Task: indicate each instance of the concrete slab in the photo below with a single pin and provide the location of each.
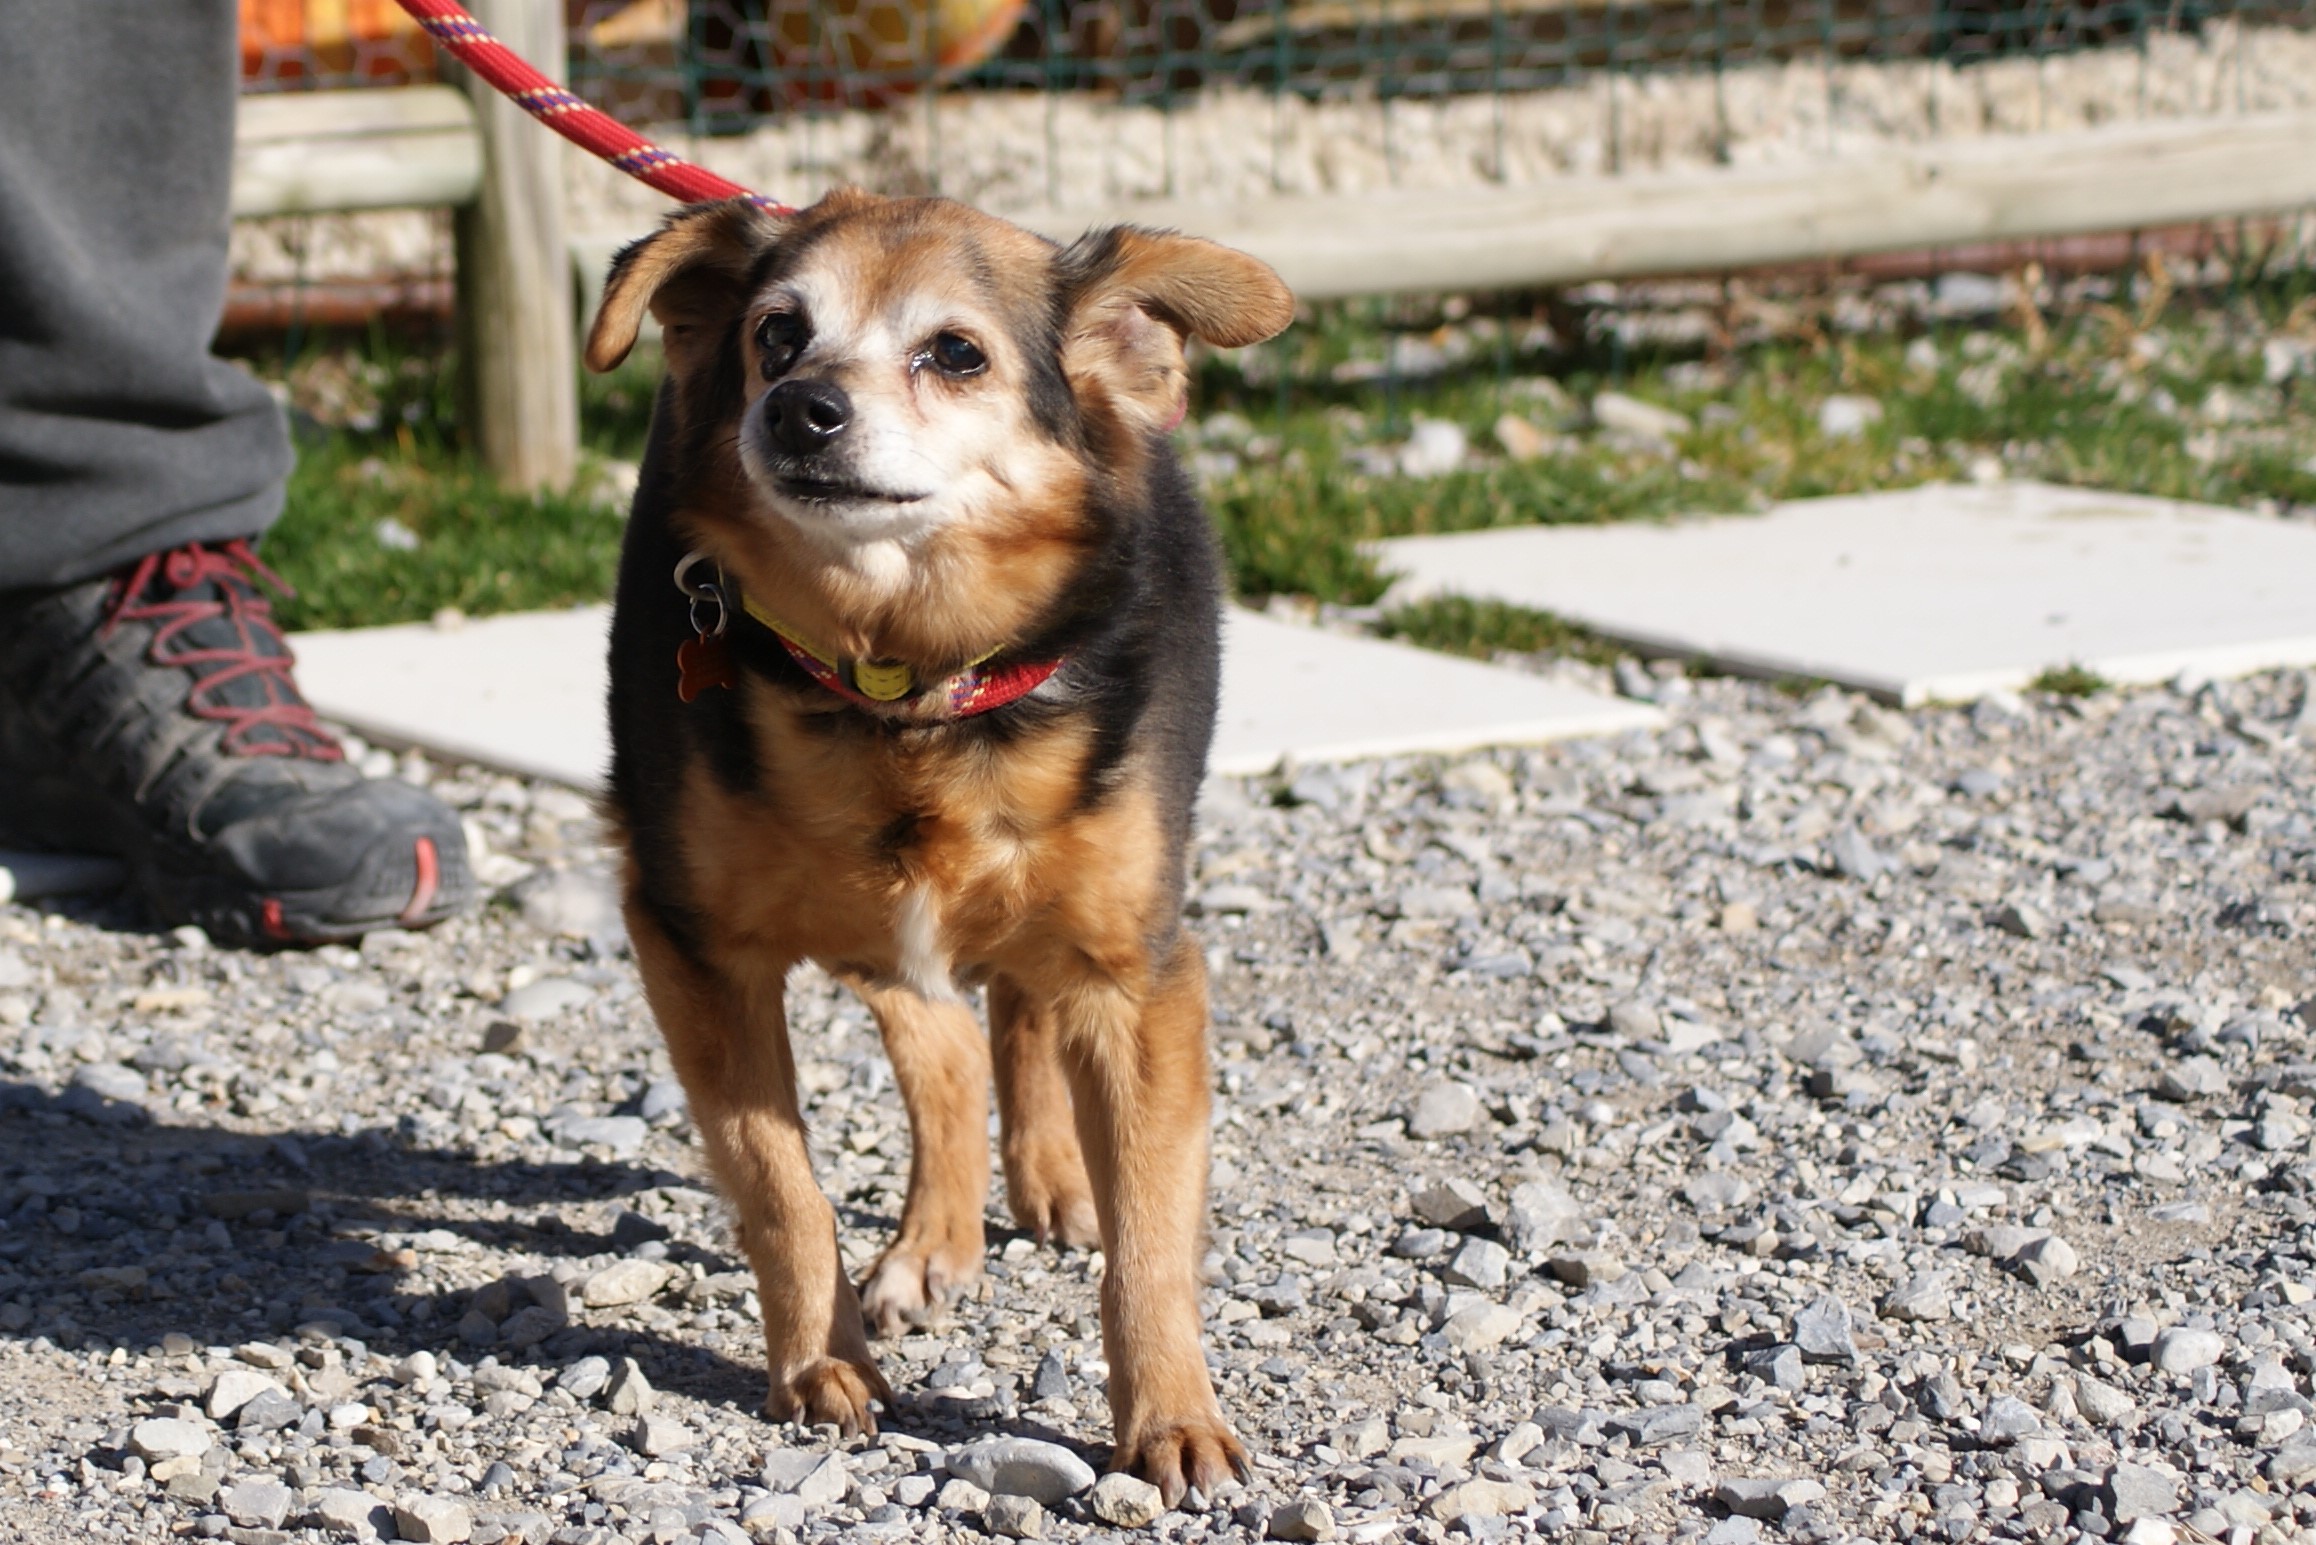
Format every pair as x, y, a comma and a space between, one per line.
525, 694
521, 693
1933, 594
1296, 692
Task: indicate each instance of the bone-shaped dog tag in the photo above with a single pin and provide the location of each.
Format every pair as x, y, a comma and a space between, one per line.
702, 663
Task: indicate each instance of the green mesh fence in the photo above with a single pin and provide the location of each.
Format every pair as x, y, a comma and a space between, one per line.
728, 64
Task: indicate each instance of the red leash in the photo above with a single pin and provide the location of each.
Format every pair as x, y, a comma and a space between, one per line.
453, 29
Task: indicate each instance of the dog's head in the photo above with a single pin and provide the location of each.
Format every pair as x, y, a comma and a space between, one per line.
883, 371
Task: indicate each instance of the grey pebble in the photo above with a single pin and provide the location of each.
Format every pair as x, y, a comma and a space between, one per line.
2294, 1462
1780, 1367
2183, 1349
1855, 856
111, 1081
257, 1502
2136, 1491
433, 1520
2192, 1078
345, 1511
623, 1135
1302, 1519
1443, 1109
1023, 1467
548, 998
1126, 1501
1541, 1215
1659, 1424
163, 1437
1052, 1379
1015, 1516
1919, 1299
1452, 1204
1479, 1263
1767, 1497
1822, 1331
2008, 1419
627, 1392
586, 1378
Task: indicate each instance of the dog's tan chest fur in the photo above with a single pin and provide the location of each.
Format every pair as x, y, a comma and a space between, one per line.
843, 850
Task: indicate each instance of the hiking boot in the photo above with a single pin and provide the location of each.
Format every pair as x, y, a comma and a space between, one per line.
152, 715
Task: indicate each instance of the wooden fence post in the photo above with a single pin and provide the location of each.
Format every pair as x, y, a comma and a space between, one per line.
514, 272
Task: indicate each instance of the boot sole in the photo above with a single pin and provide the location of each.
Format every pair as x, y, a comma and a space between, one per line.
179, 890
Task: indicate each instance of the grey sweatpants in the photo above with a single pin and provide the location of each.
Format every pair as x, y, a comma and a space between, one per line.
120, 434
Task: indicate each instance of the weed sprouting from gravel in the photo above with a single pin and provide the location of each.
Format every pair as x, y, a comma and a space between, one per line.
1482, 629
2070, 680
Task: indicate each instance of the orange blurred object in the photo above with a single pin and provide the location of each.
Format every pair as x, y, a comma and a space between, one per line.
889, 44
372, 40
764, 55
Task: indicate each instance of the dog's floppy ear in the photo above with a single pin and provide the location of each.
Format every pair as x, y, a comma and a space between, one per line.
687, 273
1133, 296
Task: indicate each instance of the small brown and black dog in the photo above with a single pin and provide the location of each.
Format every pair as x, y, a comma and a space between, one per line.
913, 674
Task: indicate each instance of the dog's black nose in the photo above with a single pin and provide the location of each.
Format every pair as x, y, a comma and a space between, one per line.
804, 416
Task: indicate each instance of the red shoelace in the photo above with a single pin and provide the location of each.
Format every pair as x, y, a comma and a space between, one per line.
243, 682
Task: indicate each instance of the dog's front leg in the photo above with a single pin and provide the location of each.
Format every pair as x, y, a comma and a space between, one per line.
1139, 1081
941, 1063
729, 1044
1045, 1177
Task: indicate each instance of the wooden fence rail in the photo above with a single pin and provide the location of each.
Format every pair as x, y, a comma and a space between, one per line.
436, 146
477, 153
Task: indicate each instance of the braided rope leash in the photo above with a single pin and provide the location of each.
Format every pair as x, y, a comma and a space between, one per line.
705, 661
592, 130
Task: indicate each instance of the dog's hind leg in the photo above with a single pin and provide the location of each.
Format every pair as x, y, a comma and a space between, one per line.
941, 1064
1045, 1174
729, 1043
1138, 1074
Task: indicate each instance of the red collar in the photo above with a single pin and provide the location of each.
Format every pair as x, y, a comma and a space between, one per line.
888, 689
976, 689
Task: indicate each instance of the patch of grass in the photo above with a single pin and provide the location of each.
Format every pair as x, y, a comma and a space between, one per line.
1461, 625
2070, 680
1295, 532
1298, 525
478, 547
390, 519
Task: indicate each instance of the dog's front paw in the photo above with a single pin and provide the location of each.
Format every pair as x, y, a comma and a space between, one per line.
1047, 1193
1199, 1455
831, 1391
910, 1281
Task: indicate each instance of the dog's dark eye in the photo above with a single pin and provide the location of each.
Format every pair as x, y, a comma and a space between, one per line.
954, 354
782, 336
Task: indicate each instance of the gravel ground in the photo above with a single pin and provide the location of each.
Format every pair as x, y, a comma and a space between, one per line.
1806, 1122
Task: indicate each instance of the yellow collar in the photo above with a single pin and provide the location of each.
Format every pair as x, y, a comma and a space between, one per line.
880, 681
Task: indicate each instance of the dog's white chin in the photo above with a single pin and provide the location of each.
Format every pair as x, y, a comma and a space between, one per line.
841, 523
873, 539
882, 566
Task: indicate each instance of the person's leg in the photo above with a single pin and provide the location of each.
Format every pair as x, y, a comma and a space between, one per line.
147, 706
120, 434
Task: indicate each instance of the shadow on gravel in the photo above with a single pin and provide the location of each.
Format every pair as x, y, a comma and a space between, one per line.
118, 1232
